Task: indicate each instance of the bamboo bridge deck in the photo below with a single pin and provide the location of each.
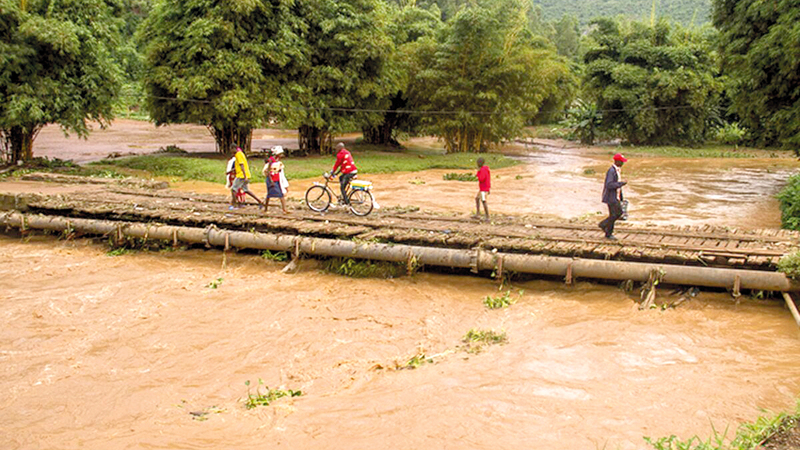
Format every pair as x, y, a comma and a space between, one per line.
705, 246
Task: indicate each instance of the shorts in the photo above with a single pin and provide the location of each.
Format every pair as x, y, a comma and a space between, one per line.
483, 195
240, 183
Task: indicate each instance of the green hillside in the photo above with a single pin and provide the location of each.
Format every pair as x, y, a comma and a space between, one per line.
681, 11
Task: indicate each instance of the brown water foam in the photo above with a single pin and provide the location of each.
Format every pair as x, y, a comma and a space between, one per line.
103, 352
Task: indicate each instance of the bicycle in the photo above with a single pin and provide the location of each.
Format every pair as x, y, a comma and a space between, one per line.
359, 197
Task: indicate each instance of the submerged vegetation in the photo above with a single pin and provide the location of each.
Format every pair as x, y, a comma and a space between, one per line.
501, 301
259, 398
275, 256
475, 340
356, 268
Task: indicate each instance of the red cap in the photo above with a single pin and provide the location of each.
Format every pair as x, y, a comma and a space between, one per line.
619, 157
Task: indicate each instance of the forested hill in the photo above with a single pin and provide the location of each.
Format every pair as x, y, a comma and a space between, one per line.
681, 11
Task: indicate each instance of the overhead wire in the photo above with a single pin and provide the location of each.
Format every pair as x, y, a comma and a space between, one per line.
426, 112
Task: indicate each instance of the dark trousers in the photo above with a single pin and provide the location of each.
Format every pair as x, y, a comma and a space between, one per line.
614, 213
344, 180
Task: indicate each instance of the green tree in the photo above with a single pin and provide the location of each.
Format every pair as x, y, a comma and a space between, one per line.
761, 57
410, 26
488, 68
56, 66
654, 84
566, 36
227, 65
129, 55
350, 64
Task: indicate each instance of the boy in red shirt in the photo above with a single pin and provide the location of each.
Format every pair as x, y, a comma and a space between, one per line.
344, 160
484, 186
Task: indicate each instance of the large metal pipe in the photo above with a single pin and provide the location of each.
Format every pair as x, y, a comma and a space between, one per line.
476, 259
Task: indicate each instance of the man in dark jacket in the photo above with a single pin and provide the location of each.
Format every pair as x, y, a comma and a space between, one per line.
612, 195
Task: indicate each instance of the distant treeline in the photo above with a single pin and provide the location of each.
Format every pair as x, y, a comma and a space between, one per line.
685, 12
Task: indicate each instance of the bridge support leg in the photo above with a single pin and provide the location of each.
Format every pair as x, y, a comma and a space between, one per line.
790, 303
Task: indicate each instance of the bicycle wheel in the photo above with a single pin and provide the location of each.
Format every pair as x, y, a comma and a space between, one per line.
318, 198
360, 202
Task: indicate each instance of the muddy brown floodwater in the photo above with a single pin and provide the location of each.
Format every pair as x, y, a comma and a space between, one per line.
100, 352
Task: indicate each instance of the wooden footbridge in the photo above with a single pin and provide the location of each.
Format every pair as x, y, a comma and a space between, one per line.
734, 258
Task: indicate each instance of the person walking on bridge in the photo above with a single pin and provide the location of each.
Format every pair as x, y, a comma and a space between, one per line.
242, 180
612, 195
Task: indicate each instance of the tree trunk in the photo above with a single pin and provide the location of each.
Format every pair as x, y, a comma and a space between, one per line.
227, 136
314, 140
18, 142
382, 134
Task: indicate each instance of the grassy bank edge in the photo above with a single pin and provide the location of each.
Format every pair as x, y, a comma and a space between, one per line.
748, 436
368, 162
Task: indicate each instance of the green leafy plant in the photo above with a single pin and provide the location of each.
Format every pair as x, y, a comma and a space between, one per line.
260, 398
275, 256
476, 340
731, 134
417, 360
119, 251
749, 436
364, 268
215, 284
454, 176
502, 301
790, 265
584, 121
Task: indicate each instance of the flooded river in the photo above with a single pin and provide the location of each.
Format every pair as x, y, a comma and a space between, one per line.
152, 350
101, 352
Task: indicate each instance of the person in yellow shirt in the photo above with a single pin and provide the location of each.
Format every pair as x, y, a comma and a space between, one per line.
242, 180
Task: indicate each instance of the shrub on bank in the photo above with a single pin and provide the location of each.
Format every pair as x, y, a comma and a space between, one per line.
789, 198
790, 265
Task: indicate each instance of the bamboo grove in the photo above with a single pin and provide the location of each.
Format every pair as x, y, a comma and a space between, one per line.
474, 73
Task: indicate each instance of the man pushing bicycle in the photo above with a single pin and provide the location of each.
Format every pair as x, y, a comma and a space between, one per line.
344, 160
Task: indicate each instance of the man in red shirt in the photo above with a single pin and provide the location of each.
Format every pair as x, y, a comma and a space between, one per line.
344, 161
484, 186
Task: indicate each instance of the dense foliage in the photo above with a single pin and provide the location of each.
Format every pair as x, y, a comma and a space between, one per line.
761, 56
128, 55
348, 63
653, 84
218, 63
789, 199
412, 26
56, 66
485, 76
234, 65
